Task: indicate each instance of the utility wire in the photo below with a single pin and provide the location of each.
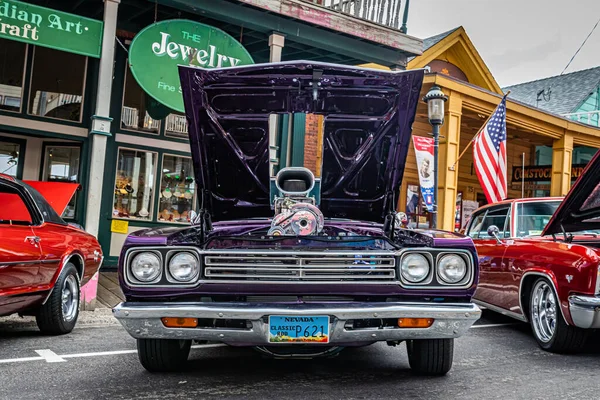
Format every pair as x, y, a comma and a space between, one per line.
580, 47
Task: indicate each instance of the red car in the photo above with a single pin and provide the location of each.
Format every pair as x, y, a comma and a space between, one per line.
43, 260
539, 262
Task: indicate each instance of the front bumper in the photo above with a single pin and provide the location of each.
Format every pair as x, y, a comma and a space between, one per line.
143, 320
585, 311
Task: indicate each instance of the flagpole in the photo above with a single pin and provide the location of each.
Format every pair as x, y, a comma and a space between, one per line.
452, 168
523, 178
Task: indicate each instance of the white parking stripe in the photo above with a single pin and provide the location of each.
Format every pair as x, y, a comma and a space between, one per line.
493, 325
50, 356
11, 360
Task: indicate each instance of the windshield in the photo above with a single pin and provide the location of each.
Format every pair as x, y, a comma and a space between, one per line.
532, 217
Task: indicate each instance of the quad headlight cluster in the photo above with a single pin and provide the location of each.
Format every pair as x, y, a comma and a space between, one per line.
147, 267
420, 268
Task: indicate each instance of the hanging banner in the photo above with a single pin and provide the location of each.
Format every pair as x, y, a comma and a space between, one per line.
158, 49
425, 168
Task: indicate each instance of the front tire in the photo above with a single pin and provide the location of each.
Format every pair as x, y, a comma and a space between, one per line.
58, 315
163, 355
547, 323
430, 356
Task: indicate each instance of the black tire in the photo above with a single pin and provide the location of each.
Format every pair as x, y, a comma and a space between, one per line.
430, 356
51, 317
565, 338
163, 355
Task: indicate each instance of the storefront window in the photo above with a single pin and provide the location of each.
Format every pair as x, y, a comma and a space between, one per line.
12, 65
134, 115
417, 214
61, 164
9, 158
177, 189
134, 184
176, 125
583, 154
57, 84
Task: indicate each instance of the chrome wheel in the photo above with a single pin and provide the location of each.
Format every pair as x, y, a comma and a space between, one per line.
70, 298
543, 311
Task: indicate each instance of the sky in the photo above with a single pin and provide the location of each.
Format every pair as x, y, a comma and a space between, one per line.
519, 40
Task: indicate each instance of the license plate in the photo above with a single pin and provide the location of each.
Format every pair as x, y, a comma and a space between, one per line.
305, 329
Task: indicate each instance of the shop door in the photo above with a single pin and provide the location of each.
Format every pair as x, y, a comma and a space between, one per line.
62, 163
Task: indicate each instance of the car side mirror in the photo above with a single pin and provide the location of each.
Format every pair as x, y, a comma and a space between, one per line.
493, 231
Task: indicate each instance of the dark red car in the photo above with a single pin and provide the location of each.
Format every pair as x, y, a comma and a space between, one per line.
539, 261
43, 259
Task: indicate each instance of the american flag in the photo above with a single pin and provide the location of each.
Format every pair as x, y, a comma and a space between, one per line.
489, 154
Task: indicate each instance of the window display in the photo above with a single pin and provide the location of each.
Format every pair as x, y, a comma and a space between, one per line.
134, 184
12, 65
9, 158
176, 125
134, 115
177, 189
57, 87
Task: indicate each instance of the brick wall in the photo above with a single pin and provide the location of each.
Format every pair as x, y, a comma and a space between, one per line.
312, 143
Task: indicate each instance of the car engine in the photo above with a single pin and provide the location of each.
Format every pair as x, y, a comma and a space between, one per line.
295, 211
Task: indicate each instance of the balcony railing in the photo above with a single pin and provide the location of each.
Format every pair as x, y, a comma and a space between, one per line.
382, 12
175, 124
589, 117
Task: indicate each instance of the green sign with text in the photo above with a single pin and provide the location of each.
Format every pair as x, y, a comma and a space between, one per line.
158, 49
50, 28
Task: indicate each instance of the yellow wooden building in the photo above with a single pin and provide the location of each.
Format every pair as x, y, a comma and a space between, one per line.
473, 94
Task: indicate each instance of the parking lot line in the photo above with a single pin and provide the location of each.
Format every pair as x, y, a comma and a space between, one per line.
50, 356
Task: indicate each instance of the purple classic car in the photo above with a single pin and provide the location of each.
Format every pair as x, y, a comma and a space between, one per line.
286, 262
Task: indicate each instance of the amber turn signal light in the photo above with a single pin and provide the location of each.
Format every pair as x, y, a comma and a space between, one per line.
174, 322
415, 322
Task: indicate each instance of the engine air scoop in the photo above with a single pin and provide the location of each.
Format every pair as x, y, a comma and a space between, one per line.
295, 212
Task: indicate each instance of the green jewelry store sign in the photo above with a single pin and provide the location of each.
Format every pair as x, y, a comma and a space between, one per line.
43, 26
158, 49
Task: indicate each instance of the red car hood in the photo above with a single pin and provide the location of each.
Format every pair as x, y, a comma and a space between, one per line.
57, 194
580, 209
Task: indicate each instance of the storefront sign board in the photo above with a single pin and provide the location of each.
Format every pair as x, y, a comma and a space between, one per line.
158, 49
43, 26
541, 173
425, 167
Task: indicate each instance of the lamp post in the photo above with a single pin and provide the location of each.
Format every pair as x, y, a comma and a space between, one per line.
435, 100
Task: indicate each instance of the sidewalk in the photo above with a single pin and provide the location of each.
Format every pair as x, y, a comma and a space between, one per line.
109, 292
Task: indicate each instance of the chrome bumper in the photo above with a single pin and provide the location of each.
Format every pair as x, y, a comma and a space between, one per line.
585, 311
143, 320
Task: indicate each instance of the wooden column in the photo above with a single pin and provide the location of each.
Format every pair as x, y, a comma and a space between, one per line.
562, 157
448, 154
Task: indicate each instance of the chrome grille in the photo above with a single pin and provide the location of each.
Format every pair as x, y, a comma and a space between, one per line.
306, 266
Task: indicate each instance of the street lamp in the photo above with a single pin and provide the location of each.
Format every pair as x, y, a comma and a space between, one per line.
435, 100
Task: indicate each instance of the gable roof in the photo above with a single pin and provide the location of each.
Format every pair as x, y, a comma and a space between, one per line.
455, 47
568, 91
431, 41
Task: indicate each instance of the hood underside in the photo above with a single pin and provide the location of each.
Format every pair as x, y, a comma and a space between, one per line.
367, 114
580, 209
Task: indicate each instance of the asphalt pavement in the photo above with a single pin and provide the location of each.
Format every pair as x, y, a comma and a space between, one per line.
498, 359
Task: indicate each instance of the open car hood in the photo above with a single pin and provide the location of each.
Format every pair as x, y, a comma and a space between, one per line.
368, 116
580, 209
57, 194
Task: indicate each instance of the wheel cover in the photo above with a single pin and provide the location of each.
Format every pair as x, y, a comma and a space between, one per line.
543, 311
70, 298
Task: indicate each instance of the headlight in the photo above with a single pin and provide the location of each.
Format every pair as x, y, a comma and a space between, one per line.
184, 267
415, 267
145, 267
452, 268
